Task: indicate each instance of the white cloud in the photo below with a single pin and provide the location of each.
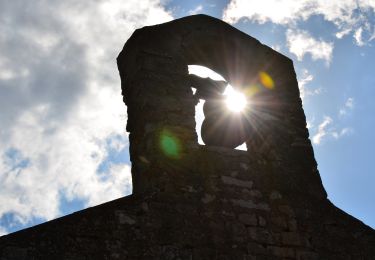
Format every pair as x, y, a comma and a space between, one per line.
289, 11
342, 132
304, 80
196, 10
61, 103
310, 124
322, 130
358, 37
117, 180
300, 43
276, 48
3, 231
348, 106
343, 32
347, 15
281, 12
350, 103
342, 111
325, 129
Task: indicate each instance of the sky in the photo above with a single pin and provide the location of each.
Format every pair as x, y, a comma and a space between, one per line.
63, 143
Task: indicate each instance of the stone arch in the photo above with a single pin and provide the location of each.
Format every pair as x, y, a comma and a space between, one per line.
205, 41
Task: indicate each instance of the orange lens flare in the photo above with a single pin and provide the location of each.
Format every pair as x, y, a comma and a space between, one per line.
266, 80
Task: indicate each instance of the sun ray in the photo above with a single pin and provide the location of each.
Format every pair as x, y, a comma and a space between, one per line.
235, 101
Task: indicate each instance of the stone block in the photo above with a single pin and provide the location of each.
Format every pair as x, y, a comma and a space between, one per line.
287, 210
279, 222
125, 219
249, 204
261, 221
285, 252
248, 219
306, 255
263, 236
233, 181
290, 238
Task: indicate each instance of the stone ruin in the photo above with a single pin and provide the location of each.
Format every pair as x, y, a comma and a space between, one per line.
210, 201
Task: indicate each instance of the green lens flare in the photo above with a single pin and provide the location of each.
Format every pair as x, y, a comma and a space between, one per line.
169, 144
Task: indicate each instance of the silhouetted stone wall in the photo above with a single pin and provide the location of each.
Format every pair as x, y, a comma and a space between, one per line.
204, 202
154, 68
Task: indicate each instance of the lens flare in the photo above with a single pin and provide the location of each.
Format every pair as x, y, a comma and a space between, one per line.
169, 144
266, 80
252, 90
235, 100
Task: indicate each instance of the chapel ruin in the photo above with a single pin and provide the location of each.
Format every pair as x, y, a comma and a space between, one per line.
193, 201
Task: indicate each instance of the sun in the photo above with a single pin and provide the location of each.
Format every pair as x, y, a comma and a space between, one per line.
234, 100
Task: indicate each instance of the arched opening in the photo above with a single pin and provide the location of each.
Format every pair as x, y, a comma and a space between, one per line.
235, 101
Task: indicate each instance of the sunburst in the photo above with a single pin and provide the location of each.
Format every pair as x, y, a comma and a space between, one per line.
235, 101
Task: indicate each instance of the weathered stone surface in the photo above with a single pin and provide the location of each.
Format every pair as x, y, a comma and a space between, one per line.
282, 252
290, 238
250, 204
248, 219
233, 181
206, 202
208, 198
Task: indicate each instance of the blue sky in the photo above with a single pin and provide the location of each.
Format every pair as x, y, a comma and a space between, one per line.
63, 144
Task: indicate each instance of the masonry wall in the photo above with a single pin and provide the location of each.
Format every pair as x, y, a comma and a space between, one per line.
230, 209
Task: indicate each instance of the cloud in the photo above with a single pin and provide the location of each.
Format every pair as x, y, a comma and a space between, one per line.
305, 79
3, 231
60, 102
325, 129
349, 103
276, 48
322, 130
310, 124
342, 132
196, 10
358, 37
281, 12
300, 43
348, 106
347, 15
